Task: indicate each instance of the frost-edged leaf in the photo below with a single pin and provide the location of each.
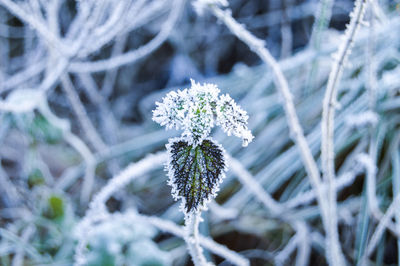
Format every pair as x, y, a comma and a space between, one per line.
195, 171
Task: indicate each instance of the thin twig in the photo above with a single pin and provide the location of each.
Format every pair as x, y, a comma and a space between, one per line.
80, 112
296, 131
20, 251
39, 26
130, 57
335, 256
376, 236
78, 145
97, 209
206, 242
248, 180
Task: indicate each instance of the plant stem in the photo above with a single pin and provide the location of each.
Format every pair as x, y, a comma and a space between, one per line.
192, 239
296, 131
335, 256
257, 46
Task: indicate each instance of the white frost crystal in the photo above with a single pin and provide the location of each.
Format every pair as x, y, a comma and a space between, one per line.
194, 110
233, 119
171, 112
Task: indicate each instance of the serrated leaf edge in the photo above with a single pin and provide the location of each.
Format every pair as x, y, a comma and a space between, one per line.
171, 176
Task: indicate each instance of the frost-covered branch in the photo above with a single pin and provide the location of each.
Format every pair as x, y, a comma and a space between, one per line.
296, 131
77, 106
248, 180
329, 103
257, 46
211, 245
33, 21
132, 56
383, 223
335, 255
134, 170
20, 252
97, 208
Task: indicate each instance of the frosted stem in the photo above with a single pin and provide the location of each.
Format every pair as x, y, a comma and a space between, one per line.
335, 256
257, 46
78, 108
296, 131
192, 239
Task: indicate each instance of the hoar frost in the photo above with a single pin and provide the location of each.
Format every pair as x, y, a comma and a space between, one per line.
197, 163
194, 110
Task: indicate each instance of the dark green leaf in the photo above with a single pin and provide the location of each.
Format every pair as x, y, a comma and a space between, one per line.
195, 172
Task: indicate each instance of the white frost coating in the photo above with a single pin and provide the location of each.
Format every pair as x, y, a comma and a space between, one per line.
171, 112
194, 110
200, 5
367, 118
97, 210
233, 119
22, 100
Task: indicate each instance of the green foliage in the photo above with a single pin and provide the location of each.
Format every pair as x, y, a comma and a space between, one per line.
35, 178
40, 128
55, 208
122, 242
195, 172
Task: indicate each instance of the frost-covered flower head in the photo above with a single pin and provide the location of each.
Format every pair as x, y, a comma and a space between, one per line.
196, 109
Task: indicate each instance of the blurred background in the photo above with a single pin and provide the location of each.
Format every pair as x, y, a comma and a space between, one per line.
78, 81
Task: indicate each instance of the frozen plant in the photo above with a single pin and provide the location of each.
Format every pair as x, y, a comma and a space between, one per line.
121, 241
196, 163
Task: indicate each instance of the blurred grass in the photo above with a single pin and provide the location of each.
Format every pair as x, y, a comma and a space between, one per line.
46, 174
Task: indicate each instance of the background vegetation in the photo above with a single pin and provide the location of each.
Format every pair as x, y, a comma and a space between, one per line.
78, 81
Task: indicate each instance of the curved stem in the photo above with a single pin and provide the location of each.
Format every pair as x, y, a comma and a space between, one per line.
132, 56
335, 256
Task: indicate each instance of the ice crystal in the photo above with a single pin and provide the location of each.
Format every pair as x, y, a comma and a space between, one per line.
233, 119
171, 112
